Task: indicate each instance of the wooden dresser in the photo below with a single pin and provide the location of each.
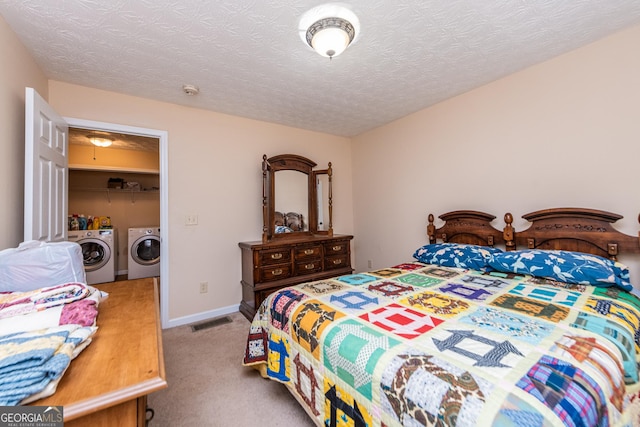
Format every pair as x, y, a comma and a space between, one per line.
267, 267
108, 383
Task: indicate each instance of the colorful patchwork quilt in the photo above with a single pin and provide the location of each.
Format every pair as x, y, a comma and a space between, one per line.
422, 345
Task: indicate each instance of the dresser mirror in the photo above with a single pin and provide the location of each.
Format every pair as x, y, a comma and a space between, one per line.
324, 200
297, 199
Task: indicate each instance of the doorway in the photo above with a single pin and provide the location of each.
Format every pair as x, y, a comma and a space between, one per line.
114, 183
144, 183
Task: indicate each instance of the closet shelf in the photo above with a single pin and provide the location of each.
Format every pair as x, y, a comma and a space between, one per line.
110, 191
113, 169
113, 190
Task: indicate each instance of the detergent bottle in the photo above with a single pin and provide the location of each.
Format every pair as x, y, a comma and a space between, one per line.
75, 225
82, 222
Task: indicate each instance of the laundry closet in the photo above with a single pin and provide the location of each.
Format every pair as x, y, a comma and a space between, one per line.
114, 203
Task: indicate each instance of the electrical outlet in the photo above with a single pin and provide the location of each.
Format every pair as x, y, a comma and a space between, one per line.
369, 264
204, 287
191, 220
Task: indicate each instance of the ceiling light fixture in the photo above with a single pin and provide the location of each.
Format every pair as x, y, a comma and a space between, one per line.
100, 141
329, 29
330, 36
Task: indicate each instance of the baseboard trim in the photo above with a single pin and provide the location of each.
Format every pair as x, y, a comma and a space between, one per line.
199, 317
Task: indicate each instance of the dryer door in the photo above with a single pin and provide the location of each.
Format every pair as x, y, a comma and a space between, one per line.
95, 253
146, 250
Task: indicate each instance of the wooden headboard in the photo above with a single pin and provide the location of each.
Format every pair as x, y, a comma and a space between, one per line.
470, 227
573, 229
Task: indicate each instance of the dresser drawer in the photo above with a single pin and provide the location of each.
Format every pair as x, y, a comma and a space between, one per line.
339, 261
336, 248
274, 256
307, 252
275, 264
308, 266
275, 272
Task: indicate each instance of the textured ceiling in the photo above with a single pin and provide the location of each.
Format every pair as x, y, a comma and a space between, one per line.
247, 58
121, 141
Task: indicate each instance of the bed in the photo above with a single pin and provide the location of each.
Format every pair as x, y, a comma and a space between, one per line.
482, 327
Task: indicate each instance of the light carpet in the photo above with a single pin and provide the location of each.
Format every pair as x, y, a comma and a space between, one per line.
208, 386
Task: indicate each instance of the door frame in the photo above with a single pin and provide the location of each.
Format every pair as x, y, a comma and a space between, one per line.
163, 137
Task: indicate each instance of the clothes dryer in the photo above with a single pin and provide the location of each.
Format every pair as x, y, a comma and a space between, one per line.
99, 251
144, 252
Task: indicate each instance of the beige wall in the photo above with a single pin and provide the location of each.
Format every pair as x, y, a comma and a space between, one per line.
214, 163
18, 71
563, 133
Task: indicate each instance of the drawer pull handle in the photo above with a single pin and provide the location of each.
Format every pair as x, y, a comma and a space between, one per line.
337, 261
308, 251
310, 266
276, 256
277, 272
337, 248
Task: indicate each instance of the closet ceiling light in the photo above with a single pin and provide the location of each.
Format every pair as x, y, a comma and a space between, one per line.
100, 141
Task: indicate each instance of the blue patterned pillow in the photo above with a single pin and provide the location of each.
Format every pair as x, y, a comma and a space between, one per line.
456, 255
564, 266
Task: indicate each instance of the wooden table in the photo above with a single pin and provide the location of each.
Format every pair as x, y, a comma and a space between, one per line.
108, 383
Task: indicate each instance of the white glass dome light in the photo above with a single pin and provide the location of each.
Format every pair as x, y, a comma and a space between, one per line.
329, 29
330, 36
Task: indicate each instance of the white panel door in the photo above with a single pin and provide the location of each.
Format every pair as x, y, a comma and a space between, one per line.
46, 173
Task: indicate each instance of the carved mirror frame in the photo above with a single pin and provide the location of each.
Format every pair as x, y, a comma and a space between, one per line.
293, 162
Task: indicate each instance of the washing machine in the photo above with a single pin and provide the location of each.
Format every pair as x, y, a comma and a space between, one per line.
144, 252
99, 251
